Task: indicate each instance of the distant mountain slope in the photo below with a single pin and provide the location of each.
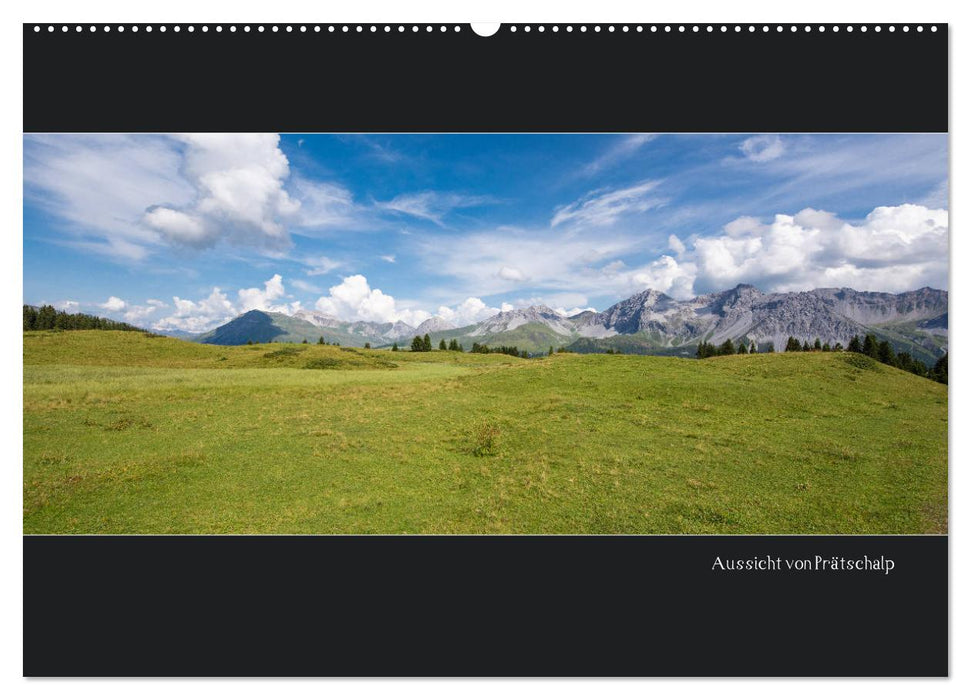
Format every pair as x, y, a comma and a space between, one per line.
261, 327
649, 322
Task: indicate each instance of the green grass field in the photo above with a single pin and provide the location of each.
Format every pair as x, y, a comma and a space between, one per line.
125, 433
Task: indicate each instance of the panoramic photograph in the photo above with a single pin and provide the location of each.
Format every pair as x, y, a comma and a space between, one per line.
485, 333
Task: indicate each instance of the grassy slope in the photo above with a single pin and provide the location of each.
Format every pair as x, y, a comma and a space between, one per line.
124, 433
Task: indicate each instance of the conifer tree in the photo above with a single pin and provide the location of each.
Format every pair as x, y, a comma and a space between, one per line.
870, 345
320, 340
855, 345
817, 345
742, 348
792, 345
394, 347
726, 348
442, 345
752, 349
939, 372
367, 346
417, 345
885, 353
805, 346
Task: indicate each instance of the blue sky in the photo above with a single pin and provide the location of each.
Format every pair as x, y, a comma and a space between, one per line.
185, 231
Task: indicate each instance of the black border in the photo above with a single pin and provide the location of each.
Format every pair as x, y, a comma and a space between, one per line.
481, 606
432, 81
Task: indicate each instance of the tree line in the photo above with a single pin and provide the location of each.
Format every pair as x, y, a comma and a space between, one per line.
879, 350
47, 318
882, 351
706, 349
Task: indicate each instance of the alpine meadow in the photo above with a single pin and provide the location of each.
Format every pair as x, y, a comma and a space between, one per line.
495, 334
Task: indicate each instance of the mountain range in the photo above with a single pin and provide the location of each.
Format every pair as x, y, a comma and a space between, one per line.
649, 322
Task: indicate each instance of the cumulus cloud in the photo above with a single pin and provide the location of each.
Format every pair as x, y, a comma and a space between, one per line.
893, 249
263, 299
68, 305
137, 313
114, 304
198, 316
216, 309
127, 196
470, 311
239, 193
667, 275
762, 148
602, 208
354, 300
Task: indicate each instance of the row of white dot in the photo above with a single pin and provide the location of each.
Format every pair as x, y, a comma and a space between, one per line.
512, 28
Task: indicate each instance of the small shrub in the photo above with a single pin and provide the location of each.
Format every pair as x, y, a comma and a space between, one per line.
859, 361
283, 353
485, 440
322, 363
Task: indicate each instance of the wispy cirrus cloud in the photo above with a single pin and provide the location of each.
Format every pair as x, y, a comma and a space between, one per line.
605, 207
432, 206
625, 148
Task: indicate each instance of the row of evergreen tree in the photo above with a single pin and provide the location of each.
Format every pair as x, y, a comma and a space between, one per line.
879, 350
500, 349
47, 318
882, 351
706, 349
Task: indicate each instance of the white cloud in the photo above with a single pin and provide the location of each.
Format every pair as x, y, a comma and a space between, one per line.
321, 265
304, 286
325, 205
574, 311
508, 259
893, 249
198, 316
125, 196
602, 208
101, 186
354, 300
262, 299
762, 148
469, 311
675, 244
239, 193
666, 275
114, 304
433, 206
139, 313
216, 309
388, 258
626, 147
71, 307
513, 274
